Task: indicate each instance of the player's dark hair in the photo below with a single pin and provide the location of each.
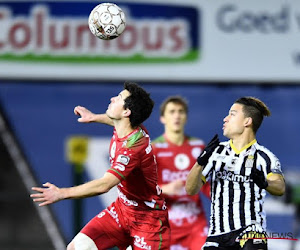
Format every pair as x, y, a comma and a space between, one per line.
174, 99
254, 108
139, 103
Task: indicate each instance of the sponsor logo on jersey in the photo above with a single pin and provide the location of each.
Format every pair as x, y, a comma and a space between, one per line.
126, 201
181, 161
168, 175
124, 159
230, 176
113, 213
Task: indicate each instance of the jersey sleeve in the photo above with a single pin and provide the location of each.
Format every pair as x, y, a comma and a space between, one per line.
270, 164
126, 161
209, 167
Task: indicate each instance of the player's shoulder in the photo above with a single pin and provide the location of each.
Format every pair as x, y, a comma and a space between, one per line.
138, 138
224, 144
195, 141
159, 142
264, 151
222, 148
159, 139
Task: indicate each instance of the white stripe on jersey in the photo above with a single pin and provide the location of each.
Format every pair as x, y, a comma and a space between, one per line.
236, 200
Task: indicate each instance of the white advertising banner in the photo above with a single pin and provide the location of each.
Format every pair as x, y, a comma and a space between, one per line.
177, 41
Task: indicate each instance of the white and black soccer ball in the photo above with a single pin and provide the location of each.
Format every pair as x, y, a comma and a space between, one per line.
107, 21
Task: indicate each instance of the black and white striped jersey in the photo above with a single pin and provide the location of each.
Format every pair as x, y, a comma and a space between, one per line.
236, 201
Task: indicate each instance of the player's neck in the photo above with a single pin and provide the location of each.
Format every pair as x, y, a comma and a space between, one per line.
176, 138
123, 128
242, 140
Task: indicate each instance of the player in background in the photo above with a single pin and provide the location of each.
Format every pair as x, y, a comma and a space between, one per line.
139, 216
241, 170
175, 153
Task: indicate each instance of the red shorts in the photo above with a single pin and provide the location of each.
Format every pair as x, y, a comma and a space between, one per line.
121, 226
192, 238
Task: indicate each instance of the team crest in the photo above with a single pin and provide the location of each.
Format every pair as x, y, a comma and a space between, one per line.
181, 161
249, 161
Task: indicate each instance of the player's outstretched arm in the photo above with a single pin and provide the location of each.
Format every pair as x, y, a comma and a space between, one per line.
86, 116
50, 193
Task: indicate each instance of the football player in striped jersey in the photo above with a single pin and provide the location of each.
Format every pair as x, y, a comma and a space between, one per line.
241, 171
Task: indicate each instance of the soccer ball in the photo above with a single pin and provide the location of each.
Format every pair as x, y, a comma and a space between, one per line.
107, 21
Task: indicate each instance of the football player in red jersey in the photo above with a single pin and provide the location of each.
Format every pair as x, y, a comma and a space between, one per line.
138, 217
175, 154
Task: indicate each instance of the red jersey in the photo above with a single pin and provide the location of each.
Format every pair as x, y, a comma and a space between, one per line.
133, 163
175, 162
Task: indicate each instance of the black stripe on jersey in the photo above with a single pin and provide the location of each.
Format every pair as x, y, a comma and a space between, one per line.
242, 198
213, 196
231, 198
260, 207
260, 191
252, 200
220, 149
221, 200
267, 159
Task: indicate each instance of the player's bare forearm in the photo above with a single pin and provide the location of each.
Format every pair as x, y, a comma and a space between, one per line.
50, 193
86, 116
173, 188
194, 182
89, 189
276, 184
104, 119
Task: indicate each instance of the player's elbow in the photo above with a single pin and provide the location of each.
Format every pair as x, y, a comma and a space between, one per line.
105, 188
191, 192
281, 191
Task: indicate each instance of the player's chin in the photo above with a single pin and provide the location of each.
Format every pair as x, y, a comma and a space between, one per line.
225, 133
178, 128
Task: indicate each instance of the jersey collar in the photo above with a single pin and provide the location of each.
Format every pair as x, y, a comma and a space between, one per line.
243, 148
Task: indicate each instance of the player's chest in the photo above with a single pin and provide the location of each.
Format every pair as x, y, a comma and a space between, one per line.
235, 163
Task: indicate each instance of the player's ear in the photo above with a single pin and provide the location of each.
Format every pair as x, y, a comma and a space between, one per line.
126, 112
248, 121
162, 119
